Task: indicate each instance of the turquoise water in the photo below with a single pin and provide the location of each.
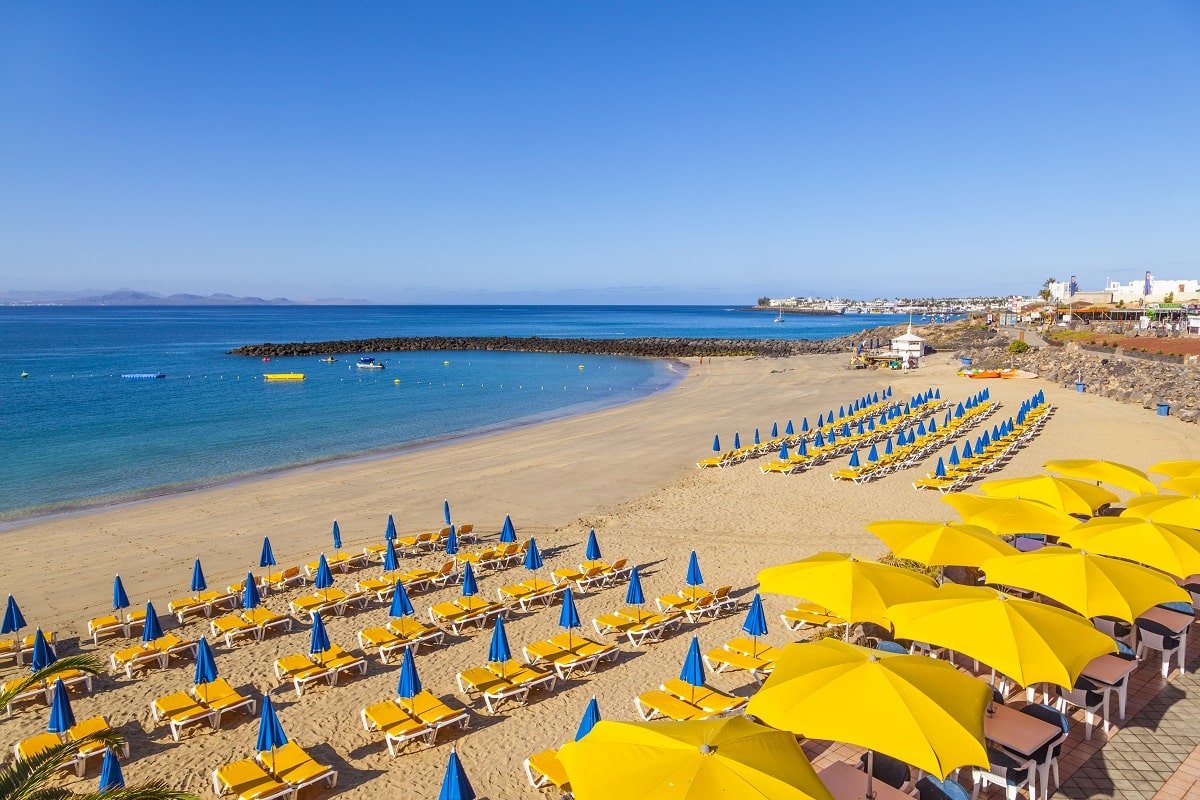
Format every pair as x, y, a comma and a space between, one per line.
75, 433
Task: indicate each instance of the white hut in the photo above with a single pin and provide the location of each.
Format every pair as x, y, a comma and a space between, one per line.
909, 347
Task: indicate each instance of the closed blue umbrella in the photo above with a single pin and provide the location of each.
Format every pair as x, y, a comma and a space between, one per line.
270, 732
932, 425
267, 557
756, 621
802, 448
783, 452
920, 427
872, 455
789, 430
110, 772
966, 451
410, 682
820, 420
319, 640
508, 534
887, 447
446, 510
533, 556
13, 619
774, 430
120, 599
716, 442
591, 715
831, 440
455, 785
757, 440
401, 605
452, 542
593, 547
337, 537
390, 532
324, 579
870, 424
198, 582
854, 458
841, 412
390, 561
469, 586
845, 429
498, 649
860, 430
819, 439
737, 441
694, 578
250, 596
940, 470
568, 618
42, 656
804, 425
62, 719
153, 628
693, 667
206, 665
633, 593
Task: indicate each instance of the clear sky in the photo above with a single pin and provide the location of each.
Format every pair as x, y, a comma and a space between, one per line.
615, 151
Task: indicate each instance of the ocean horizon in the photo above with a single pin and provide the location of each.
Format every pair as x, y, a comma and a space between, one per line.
80, 435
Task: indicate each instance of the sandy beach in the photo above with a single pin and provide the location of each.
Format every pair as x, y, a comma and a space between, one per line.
629, 472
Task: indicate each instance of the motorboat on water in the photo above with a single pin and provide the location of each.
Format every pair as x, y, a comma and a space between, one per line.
369, 362
328, 360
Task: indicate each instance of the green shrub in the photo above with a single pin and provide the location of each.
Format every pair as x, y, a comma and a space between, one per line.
1017, 346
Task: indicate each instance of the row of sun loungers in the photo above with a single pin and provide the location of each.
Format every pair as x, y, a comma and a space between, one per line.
45, 691
35, 745
157, 652
19, 649
280, 773
995, 455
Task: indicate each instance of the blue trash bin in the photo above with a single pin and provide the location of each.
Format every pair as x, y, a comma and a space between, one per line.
966, 362
1164, 409
1080, 386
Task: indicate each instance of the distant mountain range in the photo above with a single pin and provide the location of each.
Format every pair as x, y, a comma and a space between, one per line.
128, 297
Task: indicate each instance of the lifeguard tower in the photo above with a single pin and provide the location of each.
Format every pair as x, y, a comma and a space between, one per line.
908, 349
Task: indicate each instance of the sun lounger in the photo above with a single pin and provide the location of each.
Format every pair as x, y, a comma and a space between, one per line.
456, 617
618, 571
382, 639
656, 703
646, 627
264, 620
231, 627
523, 675
171, 645
447, 574
417, 580
466, 533
531, 592
702, 696
681, 600
337, 661
544, 769
137, 657
326, 601
291, 765
722, 659
36, 692
106, 626
434, 712
283, 578
568, 654
30, 748
181, 709
412, 544
397, 726
749, 647
806, 615
301, 671
493, 688
85, 728
185, 607
583, 581
382, 587
221, 698
339, 562
249, 781
375, 553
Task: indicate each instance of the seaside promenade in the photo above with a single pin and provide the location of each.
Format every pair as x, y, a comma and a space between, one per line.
629, 472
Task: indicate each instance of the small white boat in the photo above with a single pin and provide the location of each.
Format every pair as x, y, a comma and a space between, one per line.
779, 317
368, 362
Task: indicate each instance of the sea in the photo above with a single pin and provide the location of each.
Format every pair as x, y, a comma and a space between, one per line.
74, 433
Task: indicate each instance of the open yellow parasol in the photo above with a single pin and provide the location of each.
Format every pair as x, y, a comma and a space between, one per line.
1176, 469
920, 710
1092, 584
854, 589
1027, 641
940, 544
694, 760
1090, 469
1173, 549
1185, 485
1068, 495
1010, 515
1167, 509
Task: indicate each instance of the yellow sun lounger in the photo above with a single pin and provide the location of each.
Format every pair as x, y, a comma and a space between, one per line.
34, 746
656, 703
806, 615
544, 769
583, 580
397, 725
754, 649
703, 697
326, 601
493, 688
106, 626
231, 627
86, 728
291, 765
136, 657
36, 692
434, 712
264, 620
337, 661
301, 671
249, 781
283, 578
221, 698
567, 655
181, 709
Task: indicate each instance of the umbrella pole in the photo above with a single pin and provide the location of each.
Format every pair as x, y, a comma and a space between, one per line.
870, 795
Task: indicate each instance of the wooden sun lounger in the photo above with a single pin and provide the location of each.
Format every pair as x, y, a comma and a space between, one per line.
397, 726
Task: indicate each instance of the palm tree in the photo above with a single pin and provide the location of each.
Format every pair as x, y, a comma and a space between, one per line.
30, 780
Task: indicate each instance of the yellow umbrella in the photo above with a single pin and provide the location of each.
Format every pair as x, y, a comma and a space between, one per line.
1167, 509
1173, 549
1093, 585
1176, 469
1027, 641
940, 544
1068, 495
1010, 515
718, 758
1184, 484
920, 710
853, 589
1090, 469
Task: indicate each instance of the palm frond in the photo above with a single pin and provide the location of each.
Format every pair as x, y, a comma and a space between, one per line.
28, 780
77, 663
155, 790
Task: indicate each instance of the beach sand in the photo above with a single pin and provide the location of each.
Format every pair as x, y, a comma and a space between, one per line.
628, 471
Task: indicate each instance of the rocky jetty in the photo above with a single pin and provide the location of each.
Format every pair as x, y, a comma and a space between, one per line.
648, 347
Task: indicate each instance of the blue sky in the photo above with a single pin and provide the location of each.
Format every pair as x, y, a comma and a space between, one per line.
597, 151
